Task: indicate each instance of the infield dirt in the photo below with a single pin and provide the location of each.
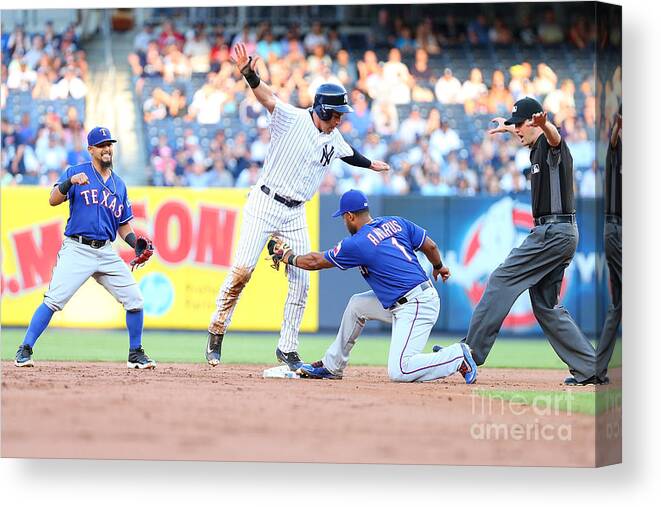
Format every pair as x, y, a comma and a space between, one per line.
230, 413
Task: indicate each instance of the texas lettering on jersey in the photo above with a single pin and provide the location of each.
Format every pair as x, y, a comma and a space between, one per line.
92, 197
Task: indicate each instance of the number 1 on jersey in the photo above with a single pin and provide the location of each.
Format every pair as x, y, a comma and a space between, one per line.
394, 242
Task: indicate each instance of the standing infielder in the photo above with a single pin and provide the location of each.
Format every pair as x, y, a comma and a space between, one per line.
303, 144
539, 263
98, 208
612, 249
383, 249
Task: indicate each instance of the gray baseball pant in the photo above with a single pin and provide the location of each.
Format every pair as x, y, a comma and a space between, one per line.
538, 265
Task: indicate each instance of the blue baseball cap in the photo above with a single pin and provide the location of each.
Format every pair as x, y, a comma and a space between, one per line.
99, 135
351, 201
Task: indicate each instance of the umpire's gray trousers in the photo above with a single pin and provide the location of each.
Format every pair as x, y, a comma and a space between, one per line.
538, 265
613, 251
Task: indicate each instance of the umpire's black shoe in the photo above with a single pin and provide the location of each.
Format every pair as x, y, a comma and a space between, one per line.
139, 360
214, 343
593, 380
24, 356
291, 359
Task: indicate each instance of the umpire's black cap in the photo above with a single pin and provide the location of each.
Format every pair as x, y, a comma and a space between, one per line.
523, 110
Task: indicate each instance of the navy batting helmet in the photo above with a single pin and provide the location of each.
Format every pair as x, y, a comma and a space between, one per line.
330, 97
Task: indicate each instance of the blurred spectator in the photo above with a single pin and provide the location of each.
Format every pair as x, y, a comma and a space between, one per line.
444, 140
198, 51
499, 100
175, 65
520, 81
344, 69
20, 77
499, 33
208, 102
385, 118
370, 75
268, 47
545, 81
550, 32
143, 38
259, 146
78, 154
448, 88
526, 32
478, 31
69, 86
334, 43
361, 118
474, 93
250, 110
382, 35
25, 133
170, 37
435, 185
405, 41
412, 127
36, 51
249, 176
315, 37
561, 102
52, 156
396, 79
153, 109
426, 39
197, 176
220, 176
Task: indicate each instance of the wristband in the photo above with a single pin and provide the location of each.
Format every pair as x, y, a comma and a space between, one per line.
250, 75
292, 260
438, 266
130, 239
65, 186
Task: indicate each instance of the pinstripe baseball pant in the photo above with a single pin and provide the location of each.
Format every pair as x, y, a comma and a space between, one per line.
263, 216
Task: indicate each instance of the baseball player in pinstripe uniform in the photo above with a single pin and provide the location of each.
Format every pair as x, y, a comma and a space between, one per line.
303, 144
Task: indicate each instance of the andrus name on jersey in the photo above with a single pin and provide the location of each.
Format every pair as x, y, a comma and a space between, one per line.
387, 230
92, 197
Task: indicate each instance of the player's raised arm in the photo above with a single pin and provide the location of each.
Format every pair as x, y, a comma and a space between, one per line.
58, 193
433, 254
247, 64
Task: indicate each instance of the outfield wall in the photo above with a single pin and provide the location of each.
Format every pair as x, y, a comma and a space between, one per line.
195, 233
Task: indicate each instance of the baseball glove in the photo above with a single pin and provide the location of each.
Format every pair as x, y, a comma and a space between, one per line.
144, 249
278, 249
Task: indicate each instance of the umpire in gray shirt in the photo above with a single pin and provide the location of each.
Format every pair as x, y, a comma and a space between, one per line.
539, 263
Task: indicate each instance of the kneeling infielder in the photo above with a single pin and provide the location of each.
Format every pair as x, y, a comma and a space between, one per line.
383, 249
98, 208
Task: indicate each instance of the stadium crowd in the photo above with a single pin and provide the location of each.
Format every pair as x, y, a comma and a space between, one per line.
418, 105
42, 100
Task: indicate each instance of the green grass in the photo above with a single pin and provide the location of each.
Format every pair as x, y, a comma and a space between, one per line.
570, 400
188, 347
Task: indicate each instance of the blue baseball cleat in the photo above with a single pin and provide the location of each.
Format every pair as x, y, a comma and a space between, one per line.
317, 370
24, 356
468, 367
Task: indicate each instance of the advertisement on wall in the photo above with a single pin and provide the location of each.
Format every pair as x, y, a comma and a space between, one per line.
195, 234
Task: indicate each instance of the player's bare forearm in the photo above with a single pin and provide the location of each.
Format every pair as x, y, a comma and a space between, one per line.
124, 230
265, 95
313, 261
56, 197
431, 251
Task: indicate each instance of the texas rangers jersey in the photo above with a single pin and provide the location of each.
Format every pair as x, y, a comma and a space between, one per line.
96, 210
299, 154
384, 250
